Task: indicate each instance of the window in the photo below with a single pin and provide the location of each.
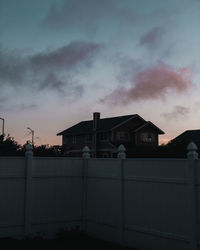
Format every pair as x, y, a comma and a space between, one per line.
147, 137
123, 136
103, 136
74, 139
88, 138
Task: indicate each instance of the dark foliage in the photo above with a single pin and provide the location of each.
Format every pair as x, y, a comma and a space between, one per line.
46, 150
73, 239
164, 151
9, 147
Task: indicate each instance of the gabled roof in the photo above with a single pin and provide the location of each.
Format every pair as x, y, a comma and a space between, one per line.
147, 124
188, 136
106, 124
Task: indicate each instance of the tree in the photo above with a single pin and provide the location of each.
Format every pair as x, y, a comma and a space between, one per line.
46, 150
9, 147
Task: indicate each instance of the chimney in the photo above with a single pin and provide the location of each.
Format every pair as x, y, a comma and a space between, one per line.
96, 120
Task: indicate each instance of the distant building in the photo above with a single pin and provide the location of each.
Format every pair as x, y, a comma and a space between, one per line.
187, 136
103, 136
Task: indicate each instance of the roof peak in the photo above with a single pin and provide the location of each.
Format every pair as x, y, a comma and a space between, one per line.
113, 117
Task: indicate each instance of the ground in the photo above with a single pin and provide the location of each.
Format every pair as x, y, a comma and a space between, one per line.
63, 241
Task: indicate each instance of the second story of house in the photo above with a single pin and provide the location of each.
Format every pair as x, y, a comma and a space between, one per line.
130, 130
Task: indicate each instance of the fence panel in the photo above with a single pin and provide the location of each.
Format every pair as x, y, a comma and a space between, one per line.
12, 188
143, 203
102, 198
57, 193
156, 204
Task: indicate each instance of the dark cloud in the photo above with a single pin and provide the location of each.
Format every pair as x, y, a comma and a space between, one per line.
18, 107
49, 70
25, 106
65, 57
153, 83
54, 83
13, 66
153, 38
178, 112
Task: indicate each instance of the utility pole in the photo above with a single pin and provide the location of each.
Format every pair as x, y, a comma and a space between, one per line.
3, 120
32, 133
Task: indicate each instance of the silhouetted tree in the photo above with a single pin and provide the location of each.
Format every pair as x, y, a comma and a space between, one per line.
164, 151
9, 147
46, 150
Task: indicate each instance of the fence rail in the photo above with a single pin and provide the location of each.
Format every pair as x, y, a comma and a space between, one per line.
141, 203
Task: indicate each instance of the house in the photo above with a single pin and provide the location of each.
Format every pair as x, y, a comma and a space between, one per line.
186, 137
103, 136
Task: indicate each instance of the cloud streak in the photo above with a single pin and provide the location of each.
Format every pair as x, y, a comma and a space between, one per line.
153, 83
152, 38
179, 112
65, 57
51, 70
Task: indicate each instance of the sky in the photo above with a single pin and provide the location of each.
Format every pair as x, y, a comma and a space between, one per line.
62, 60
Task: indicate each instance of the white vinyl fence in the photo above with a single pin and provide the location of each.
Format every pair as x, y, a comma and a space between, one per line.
141, 203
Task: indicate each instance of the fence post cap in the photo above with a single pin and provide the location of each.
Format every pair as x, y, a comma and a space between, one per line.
28, 149
86, 152
192, 147
121, 152
121, 148
86, 149
28, 146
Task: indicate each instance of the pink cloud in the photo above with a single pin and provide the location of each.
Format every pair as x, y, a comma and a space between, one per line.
153, 83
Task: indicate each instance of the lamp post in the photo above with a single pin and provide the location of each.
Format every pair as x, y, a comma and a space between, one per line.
32, 132
3, 120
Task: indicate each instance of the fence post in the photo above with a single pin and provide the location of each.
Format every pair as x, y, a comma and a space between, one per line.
121, 156
192, 156
28, 187
85, 156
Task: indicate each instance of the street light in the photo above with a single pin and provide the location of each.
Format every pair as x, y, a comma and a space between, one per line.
32, 132
2, 125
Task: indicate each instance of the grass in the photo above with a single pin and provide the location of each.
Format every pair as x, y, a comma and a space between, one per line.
64, 240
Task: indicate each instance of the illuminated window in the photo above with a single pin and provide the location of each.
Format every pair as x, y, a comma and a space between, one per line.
147, 137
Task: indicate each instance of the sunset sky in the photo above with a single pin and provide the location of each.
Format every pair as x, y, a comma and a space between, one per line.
62, 60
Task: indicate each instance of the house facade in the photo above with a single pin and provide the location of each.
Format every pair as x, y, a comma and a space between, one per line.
103, 136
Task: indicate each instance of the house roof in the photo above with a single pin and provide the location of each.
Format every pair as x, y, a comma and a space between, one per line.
147, 124
106, 124
188, 136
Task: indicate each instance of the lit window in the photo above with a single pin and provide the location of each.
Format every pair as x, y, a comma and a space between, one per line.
123, 136
147, 137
